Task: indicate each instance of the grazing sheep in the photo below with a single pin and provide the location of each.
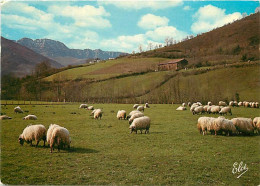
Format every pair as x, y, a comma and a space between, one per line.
189, 104
121, 114
231, 103
193, 106
246, 104
49, 131
215, 109
92, 113
61, 137
204, 124
4, 117
221, 124
235, 104
98, 114
140, 108
256, 124
199, 103
33, 133
209, 103
183, 104
181, 108
240, 103
146, 105
205, 108
83, 106
30, 117
198, 110
244, 125
131, 113
225, 110
256, 105
135, 106
18, 110
142, 123
136, 115
222, 103
90, 108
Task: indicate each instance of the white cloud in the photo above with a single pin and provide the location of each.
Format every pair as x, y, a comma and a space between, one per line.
159, 34
187, 8
150, 21
86, 16
210, 17
140, 4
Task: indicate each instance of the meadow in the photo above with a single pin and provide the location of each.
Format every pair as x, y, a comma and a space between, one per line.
104, 152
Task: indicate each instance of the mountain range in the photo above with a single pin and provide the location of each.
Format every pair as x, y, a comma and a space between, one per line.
59, 52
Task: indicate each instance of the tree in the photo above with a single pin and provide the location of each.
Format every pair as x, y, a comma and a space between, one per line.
150, 46
43, 68
166, 41
140, 48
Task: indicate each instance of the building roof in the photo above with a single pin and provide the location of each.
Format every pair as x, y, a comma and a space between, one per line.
172, 61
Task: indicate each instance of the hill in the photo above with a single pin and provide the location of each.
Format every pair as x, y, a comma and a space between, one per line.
60, 52
238, 41
20, 60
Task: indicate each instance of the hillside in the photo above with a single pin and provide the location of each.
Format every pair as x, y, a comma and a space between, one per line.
20, 60
238, 41
60, 52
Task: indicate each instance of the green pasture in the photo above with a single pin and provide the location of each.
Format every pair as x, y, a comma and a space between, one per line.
104, 152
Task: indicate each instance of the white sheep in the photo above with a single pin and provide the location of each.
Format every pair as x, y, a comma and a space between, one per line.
131, 113
98, 114
209, 103
181, 108
4, 117
235, 103
204, 124
256, 124
244, 125
90, 108
240, 103
189, 104
18, 110
225, 110
61, 137
146, 105
222, 103
215, 109
140, 108
256, 105
221, 124
121, 114
246, 104
205, 108
142, 123
136, 115
83, 106
183, 104
30, 117
49, 132
92, 113
231, 103
33, 133
198, 110
193, 106
135, 106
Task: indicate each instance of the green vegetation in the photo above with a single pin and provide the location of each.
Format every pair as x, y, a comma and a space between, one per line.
104, 152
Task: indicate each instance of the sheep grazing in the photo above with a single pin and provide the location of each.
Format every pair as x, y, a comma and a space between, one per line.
222, 103
205, 108
121, 114
246, 104
256, 124
146, 105
49, 131
136, 115
231, 103
30, 117
61, 137
4, 117
189, 104
204, 124
244, 125
198, 110
193, 106
256, 105
131, 113
183, 104
90, 108
181, 108
215, 109
140, 108
235, 104
135, 106
98, 114
142, 123
225, 110
240, 104
83, 106
209, 103
18, 110
33, 133
92, 113
221, 124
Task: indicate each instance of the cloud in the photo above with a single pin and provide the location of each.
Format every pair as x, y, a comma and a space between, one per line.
187, 8
86, 16
140, 4
209, 17
150, 21
159, 34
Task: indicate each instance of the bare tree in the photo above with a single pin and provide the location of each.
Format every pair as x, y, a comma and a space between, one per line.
166, 41
150, 46
140, 48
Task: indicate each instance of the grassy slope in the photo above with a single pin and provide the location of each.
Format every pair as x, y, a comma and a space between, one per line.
104, 152
108, 69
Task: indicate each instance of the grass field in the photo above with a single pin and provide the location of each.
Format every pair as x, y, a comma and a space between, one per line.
104, 152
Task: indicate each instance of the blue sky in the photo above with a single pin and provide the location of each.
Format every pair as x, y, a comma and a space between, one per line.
117, 25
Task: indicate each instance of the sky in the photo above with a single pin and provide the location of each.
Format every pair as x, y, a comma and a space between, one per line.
117, 25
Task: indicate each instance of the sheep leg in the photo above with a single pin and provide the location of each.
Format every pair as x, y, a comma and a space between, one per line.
136, 131
37, 143
141, 131
31, 143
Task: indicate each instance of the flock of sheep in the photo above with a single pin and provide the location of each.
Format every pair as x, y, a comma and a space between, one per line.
57, 135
